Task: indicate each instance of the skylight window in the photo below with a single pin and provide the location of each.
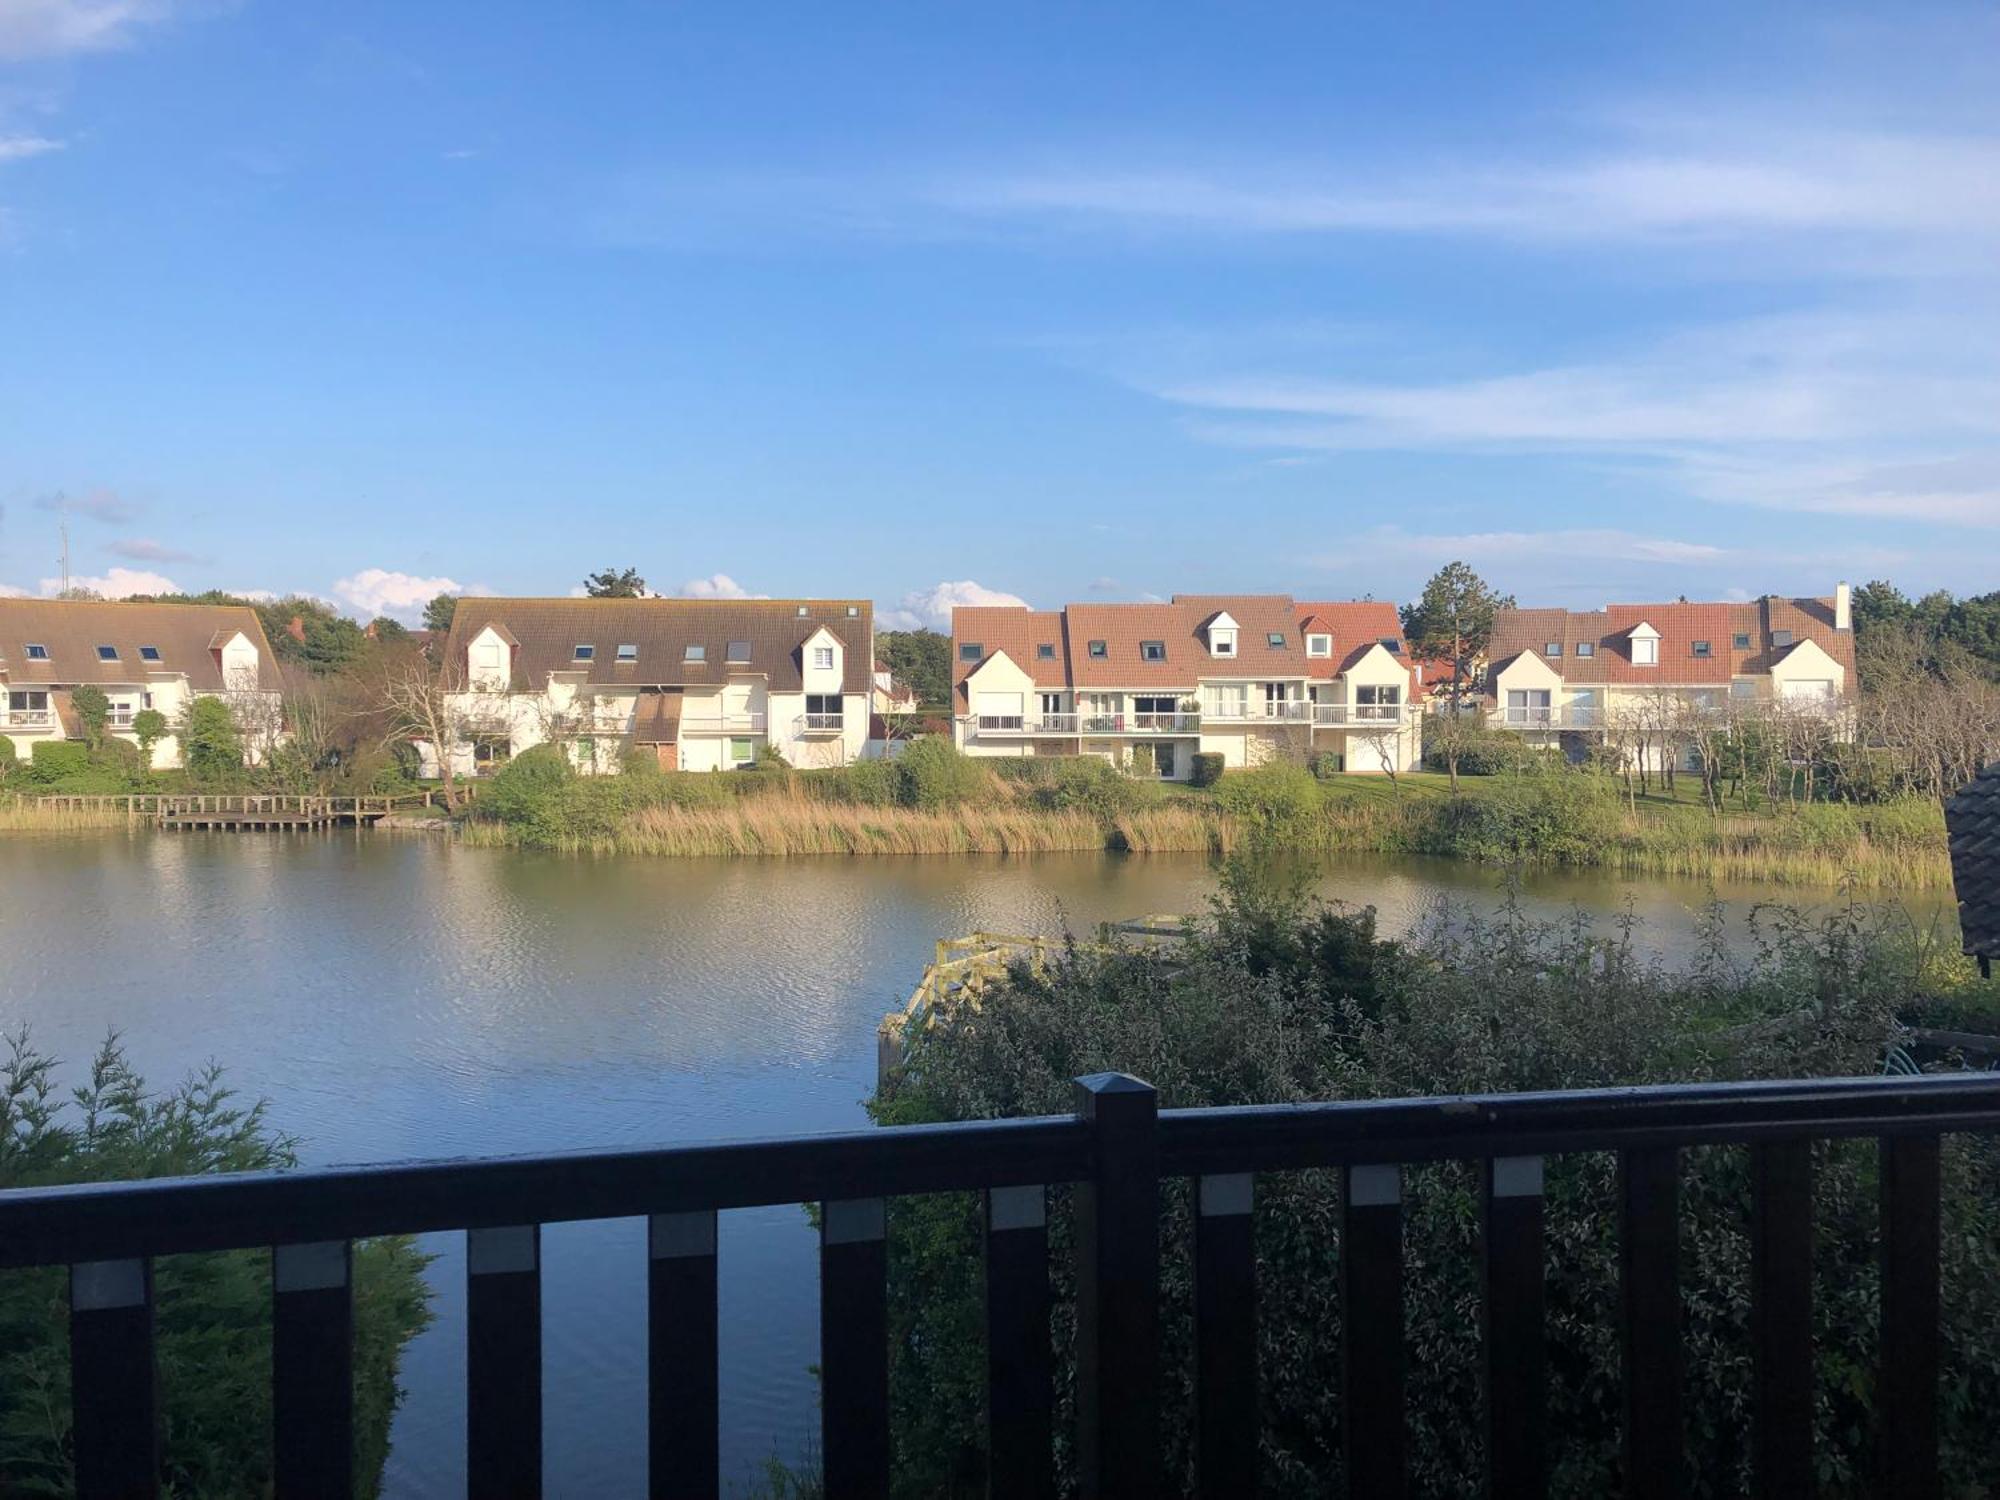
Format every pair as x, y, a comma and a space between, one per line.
692, 652
1275, 640
1740, 641
739, 651
149, 653
627, 651
585, 652
1702, 648
1586, 648
1552, 648
1153, 650
37, 653
107, 653
1045, 652
970, 651
1098, 650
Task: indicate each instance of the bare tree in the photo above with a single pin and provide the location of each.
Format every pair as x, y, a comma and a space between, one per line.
429, 702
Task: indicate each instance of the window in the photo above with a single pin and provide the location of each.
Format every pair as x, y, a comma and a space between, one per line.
1275, 640
149, 653
1045, 652
486, 654
692, 652
1153, 650
1222, 642
739, 651
1781, 639
1319, 645
1740, 641
107, 653
585, 653
1701, 648
1552, 648
37, 653
1742, 688
741, 753
1391, 645
1645, 651
1098, 650
822, 710
628, 652
853, 611
822, 658
802, 611
1586, 648
970, 651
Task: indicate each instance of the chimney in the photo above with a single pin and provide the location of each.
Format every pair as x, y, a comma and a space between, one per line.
1843, 607
297, 629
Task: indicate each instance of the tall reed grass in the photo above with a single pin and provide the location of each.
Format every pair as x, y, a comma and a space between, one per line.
28, 815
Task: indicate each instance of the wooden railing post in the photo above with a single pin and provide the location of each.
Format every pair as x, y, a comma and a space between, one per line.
312, 1370
1020, 1358
682, 1391
1118, 1291
1649, 1248
1371, 1319
854, 1348
1907, 1412
1225, 1338
503, 1356
114, 1391
1515, 1358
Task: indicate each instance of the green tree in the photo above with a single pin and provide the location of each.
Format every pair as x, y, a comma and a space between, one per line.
93, 710
212, 1319
1452, 622
9, 759
919, 658
149, 727
438, 613
211, 744
615, 583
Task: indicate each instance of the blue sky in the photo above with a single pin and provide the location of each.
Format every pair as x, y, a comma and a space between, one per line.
1060, 302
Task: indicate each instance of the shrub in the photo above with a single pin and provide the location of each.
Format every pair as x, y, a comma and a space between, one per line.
211, 747
1327, 765
212, 1317
1484, 752
1278, 803
92, 710
866, 783
527, 793
1564, 817
53, 760
149, 727
1205, 768
1087, 784
934, 773
9, 759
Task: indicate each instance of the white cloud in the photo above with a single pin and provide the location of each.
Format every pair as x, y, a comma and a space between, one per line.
930, 609
382, 591
716, 586
9, 591
53, 28
21, 147
116, 583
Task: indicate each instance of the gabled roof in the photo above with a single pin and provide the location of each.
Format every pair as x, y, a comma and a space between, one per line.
187, 636
546, 632
1680, 624
1021, 633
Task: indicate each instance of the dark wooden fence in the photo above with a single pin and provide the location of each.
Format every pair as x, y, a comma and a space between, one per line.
1115, 1150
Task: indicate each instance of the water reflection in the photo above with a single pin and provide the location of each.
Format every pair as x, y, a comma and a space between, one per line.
399, 997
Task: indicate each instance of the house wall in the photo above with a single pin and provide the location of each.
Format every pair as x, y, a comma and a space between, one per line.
259, 715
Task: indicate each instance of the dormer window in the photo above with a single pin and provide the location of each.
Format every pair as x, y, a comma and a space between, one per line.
37, 653
823, 658
692, 652
1098, 651
1319, 645
970, 651
107, 653
585, 652
739, 651
1152, 650
1222, 635
627, 651
1645, 650
149, 653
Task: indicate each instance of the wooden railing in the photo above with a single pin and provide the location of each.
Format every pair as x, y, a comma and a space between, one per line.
154, 804
1115, 1149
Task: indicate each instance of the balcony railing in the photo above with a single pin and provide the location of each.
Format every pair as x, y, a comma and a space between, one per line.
1289, 710
1115, 1149
1148, 723
1581, 717
1025, 723
744, 723
807, 724
1366, 715
29, 718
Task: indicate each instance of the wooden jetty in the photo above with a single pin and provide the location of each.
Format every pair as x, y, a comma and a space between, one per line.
241, 811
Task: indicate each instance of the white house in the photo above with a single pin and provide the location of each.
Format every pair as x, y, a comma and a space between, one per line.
700, 683
1252, 678
158, 656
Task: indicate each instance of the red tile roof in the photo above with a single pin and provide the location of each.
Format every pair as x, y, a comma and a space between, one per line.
1680, 624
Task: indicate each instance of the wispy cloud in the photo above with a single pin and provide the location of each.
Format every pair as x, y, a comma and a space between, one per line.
56, 28
145, 549
21, 147
99, 505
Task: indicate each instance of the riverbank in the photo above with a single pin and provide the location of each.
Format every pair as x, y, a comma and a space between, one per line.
1565, 820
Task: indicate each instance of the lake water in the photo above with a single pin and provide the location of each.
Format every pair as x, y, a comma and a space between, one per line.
396, 996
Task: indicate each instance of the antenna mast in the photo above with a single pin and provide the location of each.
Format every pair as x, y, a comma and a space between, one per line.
63, 528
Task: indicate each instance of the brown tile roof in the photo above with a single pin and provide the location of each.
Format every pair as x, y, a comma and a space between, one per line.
1021, 633
1972, 817
547, 632
1680, 625
1180, 624
187, 636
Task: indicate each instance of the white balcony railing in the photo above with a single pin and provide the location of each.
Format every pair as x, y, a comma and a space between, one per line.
1261, 711
29, 718
1584, 717
725, 724
1004, 724
1148, 723
1362, 715
818, 724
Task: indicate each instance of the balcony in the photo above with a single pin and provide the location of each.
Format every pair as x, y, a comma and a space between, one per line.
814, 726
1177, 723
29, 720
1024, 724
1547, 718
744, 723
1360, 715
1287, 711
1115, 1152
